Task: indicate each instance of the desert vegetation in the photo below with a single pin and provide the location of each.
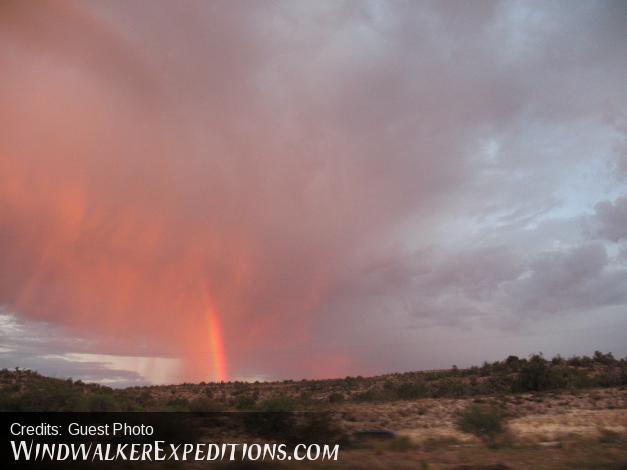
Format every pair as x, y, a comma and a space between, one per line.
26, 390
484, 421
517, 413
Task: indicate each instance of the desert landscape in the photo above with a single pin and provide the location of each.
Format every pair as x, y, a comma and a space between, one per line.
295, 222
511, 414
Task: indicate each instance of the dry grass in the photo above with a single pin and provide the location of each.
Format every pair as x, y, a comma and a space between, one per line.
580, 429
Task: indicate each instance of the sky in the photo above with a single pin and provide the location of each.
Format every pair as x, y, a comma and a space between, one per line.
235, 190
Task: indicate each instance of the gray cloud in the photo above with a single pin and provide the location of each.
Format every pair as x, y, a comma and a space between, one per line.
610, 219
313, 167
44, 348
575, 279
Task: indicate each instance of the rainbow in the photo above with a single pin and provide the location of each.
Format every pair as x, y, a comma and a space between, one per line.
216, 346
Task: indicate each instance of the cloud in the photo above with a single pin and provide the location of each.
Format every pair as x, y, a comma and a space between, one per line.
610, 219
283, 167
53, 351
575, 279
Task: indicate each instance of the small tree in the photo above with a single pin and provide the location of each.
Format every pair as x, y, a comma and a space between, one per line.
484, 421
607, 359
535, 375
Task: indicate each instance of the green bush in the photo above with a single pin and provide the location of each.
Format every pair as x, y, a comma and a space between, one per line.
279, 403
536, 375
607, 359
484, 421
412, 390
512, 363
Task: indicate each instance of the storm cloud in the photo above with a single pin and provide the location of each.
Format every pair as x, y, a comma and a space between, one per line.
284, 189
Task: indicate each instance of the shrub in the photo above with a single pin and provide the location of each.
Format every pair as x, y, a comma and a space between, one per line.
336, 397
102, 402
607, 359
368, 395
278, 403
145, 398
245, 402
350, 382
447, 387
202, 404
512, 363
178, 404
484, 421
535, 375
608, 378
579, 361
412, 391
570, 377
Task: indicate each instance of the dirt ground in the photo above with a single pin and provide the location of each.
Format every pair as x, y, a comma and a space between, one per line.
574, 430
535, 417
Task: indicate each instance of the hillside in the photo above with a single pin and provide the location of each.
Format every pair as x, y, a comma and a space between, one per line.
558, 413
25, 390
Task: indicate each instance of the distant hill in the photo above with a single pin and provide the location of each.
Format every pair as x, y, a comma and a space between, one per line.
25, 390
